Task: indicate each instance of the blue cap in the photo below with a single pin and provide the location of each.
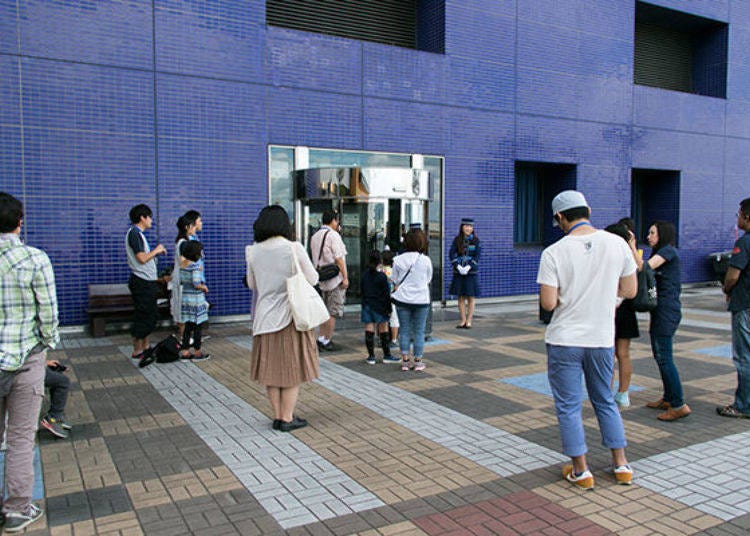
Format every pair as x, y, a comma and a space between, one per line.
415, 225
467, 221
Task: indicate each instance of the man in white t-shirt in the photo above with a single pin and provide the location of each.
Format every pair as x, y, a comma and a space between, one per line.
581, 277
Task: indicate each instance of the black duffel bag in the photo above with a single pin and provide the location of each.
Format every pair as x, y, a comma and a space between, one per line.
166, 351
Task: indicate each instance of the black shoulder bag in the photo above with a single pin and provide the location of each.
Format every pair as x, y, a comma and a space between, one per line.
327, 271
646, 298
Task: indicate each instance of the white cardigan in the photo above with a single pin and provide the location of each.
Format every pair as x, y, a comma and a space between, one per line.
269, 264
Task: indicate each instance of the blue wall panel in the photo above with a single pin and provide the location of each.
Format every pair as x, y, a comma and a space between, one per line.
311, 61
213, 39
106, 31
8, 27
174, 103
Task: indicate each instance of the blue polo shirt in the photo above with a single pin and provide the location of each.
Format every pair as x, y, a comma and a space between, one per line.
668, 313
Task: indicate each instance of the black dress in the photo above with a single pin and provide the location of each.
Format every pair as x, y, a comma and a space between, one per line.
626, 323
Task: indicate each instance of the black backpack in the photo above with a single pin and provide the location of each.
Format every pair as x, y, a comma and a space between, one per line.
166, 351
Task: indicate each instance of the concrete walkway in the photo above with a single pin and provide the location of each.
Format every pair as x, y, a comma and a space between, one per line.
470, 446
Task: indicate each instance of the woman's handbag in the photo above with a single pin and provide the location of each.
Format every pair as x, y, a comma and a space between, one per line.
308, 309
646, 299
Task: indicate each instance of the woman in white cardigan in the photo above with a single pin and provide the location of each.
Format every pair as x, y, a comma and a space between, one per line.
282, 357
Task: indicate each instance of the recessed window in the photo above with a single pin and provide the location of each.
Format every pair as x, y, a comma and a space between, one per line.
418, 24
678, 51
536, 183
655, 196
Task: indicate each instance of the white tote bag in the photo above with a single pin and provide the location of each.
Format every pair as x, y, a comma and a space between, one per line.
308, 309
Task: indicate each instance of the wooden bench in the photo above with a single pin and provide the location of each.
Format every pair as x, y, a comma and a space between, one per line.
114, 302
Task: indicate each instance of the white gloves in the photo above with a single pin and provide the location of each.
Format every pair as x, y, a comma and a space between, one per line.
463, 270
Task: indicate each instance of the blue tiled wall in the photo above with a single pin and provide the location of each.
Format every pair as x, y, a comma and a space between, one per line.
174, 103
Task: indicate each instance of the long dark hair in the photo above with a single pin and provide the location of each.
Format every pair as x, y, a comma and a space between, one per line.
185, 221
272, 221
460, 242
667, 234
620, 229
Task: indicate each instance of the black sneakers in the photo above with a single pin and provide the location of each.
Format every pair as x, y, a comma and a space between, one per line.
17, 521
330, 347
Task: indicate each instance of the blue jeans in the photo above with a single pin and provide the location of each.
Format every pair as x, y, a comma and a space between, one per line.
661, 345
565, 365
412, 318
741, 358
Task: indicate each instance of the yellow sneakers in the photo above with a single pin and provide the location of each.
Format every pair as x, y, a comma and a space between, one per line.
623, 475
584, 481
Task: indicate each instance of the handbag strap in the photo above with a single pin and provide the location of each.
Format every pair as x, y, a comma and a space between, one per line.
322, 244
407, 272
295, 259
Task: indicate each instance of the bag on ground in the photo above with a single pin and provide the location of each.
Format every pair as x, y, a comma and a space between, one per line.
166, 351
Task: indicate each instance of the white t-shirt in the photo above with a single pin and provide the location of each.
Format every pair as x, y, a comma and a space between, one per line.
414, 288
586, 270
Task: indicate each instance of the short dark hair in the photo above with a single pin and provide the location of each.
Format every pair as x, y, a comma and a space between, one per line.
272, 221
192, 250
627, 222
745, 206
11, 213
373, 261
620, 229
416, 240
667, 233
576, 213
328, 216
140, 211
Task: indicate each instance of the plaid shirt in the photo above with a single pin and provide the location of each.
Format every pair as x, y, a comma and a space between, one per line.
28, 302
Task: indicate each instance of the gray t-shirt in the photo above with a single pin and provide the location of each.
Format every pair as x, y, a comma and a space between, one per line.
135, 242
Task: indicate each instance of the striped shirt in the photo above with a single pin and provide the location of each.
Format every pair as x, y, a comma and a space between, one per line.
28, 302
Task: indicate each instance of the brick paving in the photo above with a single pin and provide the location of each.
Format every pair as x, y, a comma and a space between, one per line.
470, 446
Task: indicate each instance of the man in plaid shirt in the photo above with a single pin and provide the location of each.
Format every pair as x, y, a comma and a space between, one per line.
28, 328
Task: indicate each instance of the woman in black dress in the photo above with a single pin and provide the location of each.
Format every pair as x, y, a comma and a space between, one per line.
464, 256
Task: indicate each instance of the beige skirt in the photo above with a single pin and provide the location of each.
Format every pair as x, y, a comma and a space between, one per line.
285, 358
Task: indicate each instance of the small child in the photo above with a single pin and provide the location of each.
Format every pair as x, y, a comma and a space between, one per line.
376, 307
388, 271
194, 304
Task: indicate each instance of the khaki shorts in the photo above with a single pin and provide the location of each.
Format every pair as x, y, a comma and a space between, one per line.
334, 300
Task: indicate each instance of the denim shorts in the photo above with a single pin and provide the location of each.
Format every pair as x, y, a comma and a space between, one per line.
368, 316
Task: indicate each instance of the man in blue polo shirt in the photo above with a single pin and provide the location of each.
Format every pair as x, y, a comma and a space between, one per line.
737, 289
142, 283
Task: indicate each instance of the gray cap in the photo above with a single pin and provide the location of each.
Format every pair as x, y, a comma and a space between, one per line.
567, 200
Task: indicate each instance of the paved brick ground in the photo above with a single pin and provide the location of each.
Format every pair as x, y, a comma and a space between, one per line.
470, 446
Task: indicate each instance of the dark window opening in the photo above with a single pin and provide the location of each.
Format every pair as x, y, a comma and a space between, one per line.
418, 24
679, 51
536, 184
655, 196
